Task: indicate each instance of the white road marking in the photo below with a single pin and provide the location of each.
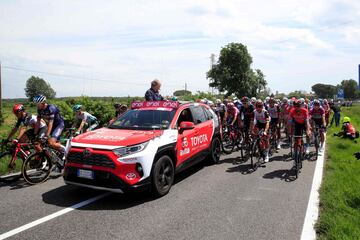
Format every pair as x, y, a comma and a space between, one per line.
51, 216
312, 212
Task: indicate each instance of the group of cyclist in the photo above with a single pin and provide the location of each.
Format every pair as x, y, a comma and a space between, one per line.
294, 116
48, 123
250, 115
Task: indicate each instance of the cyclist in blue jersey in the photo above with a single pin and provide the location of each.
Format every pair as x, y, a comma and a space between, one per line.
51, 114
88, 121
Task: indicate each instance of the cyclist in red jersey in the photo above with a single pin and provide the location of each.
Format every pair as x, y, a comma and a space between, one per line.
300, 120
231, 114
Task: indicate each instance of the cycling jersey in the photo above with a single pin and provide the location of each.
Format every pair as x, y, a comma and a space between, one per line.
51, 112
232, 112
349, 128
87, 117
28, 120
299, 115
247, 112
274, 111
317, 114
261, 118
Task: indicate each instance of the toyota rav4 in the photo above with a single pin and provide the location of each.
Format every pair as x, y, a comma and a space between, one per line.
145, 147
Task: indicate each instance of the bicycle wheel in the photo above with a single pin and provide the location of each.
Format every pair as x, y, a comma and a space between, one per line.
36, 168
10, 171
254, 155
317, 145
227, 143
297, 162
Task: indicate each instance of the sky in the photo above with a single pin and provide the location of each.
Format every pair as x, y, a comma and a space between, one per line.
116, 48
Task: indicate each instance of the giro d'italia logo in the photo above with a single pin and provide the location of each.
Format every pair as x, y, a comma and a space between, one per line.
185, 143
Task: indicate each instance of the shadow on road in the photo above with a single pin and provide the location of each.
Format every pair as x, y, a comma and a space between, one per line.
21, 183
283, 174
68, 195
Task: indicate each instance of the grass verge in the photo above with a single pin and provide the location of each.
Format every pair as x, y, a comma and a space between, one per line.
340, 190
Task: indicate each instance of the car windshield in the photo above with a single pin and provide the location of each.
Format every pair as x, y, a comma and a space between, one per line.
144, 119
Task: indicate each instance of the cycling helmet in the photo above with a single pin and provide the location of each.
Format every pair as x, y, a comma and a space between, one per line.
325, 101
316, 102
174, 98
117, 105
272, 100
39, 98
284, 100
218, 101
296, 103
245, 100
259, 103
302, 100
230, 105
346, 119
253, 99
77, 108
267, 99
18, 108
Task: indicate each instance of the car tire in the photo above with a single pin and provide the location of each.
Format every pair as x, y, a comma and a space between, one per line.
162, 176
215, 151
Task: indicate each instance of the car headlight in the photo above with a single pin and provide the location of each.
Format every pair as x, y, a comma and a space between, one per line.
124, 151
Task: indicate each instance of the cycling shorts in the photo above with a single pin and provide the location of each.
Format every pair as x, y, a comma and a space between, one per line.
274, 121
57, 130
30, 133
299, 129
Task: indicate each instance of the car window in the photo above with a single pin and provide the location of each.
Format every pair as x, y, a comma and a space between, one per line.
208, 114
199, 115
144, 119
185, 115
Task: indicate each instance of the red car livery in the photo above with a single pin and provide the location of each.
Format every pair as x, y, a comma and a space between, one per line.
144, 147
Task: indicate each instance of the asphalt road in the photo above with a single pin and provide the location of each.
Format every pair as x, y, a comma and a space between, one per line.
223, 201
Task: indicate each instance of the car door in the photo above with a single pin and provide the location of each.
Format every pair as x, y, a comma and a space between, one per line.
183, 145
203, 131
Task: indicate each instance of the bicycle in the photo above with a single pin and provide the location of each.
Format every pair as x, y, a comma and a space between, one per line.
231, 138
11, 154
257, 150
38, 166
299, 153
317, 140
274, 141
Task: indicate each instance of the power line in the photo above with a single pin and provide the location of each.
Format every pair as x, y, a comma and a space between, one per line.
74, 77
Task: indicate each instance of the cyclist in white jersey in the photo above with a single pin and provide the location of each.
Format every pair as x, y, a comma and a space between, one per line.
261, 121
26, 120
88, 121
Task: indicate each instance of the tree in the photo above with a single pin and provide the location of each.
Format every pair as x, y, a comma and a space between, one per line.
350, 88
233, 74
181, 93
36, 86
324, 90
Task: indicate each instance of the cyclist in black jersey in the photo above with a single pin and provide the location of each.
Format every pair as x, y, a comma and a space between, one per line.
52, 115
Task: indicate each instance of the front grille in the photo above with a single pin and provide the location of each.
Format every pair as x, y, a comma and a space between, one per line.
94, 159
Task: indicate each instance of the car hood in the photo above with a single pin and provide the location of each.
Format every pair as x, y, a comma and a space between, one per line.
116, 137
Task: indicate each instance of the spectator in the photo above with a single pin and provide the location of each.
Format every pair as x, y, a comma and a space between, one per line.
153, 93
336, 109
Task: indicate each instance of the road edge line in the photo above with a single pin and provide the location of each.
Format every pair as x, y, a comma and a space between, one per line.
52, 216
312, 211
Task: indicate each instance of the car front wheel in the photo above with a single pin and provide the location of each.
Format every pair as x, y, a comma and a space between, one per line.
162, 176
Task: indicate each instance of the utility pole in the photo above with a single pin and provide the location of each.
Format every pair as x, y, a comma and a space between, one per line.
212, 63
185, 87
0, 98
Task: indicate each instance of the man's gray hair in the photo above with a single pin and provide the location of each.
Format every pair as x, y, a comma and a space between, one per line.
155, 82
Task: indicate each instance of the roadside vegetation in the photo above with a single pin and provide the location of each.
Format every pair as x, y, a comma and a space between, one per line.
340, 190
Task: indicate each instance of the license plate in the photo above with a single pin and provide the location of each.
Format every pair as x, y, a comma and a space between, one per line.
85, 174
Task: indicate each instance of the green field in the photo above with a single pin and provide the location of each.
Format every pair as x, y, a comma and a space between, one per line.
340, 190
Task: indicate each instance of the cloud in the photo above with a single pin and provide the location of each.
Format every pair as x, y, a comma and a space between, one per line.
172, 40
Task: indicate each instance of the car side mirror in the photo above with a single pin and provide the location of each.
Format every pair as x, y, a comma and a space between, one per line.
186, 126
